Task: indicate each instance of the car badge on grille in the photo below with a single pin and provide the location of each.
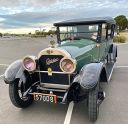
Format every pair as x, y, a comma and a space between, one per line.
49, 51
50, 71
50, 61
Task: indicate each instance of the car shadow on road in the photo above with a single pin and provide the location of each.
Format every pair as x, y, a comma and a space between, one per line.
44, 112
81, 111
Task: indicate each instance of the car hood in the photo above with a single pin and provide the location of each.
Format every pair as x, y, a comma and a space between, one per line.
77, 48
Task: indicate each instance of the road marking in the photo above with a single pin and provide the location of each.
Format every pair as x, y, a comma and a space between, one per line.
113, 69
111, 73
69, 113
1, 75
4, 65
121, 66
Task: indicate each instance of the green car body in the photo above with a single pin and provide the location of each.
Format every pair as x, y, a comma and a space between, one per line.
86, 51
72, 70
81, 51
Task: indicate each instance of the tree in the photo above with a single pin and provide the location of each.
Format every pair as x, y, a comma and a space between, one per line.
37, 32
51, 32
1, 34
122, 22
29, 33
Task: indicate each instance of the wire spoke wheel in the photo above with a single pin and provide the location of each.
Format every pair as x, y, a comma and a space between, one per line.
16, 91
21, 90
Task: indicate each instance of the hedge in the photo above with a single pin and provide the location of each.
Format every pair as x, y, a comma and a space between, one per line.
119, 39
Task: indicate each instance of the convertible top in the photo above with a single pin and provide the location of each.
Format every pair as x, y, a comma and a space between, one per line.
94, 20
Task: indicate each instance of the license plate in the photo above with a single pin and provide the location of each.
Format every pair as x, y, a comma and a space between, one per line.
45, 97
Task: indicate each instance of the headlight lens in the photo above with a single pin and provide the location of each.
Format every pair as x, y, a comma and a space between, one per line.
67, 65
29, 63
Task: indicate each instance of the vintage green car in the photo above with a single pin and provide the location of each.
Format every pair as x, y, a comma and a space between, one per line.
71, 70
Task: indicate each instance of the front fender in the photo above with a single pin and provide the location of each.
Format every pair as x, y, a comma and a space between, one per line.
89, 75
15, 70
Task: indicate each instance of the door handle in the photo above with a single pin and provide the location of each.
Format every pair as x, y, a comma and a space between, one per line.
97, 45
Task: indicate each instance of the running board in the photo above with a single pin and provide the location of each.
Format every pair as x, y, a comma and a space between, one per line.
109, 69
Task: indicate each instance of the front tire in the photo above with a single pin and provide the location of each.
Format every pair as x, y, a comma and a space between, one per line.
93, 106
16, 98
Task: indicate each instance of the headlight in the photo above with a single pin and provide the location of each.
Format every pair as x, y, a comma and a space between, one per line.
68, 65
29, 63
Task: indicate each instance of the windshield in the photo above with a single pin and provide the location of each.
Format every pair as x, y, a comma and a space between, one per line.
78, 32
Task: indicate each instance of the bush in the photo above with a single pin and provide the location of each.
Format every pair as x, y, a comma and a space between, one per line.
1, 34
119, 39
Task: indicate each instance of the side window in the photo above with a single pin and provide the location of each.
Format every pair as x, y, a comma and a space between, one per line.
110, 31
103, 32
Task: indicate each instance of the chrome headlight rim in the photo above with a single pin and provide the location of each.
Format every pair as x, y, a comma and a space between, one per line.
74, 64
33, 58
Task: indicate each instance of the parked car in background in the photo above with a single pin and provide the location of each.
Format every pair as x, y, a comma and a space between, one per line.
72, 70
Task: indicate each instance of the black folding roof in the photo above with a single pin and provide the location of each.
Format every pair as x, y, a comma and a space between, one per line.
82, 21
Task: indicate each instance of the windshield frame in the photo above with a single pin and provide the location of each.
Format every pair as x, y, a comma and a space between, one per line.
96, 40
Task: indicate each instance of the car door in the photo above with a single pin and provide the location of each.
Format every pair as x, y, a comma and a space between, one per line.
95, 51
96, 44
110, 35
103, 43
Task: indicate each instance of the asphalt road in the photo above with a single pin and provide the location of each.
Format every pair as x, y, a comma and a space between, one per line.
113, 110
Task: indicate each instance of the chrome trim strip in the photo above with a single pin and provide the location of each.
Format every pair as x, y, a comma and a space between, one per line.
56, 72
69, 78
58, 86
42, 88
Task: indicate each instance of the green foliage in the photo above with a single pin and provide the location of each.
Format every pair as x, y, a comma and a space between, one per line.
122, 22
29, 33
43, 33
119, 39
1, 34
51, 32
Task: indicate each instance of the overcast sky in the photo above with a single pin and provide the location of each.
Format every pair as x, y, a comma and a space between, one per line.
20, 15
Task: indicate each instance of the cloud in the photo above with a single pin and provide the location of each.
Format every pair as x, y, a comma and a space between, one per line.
9, 3
36, 3
29, 19
32, 13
